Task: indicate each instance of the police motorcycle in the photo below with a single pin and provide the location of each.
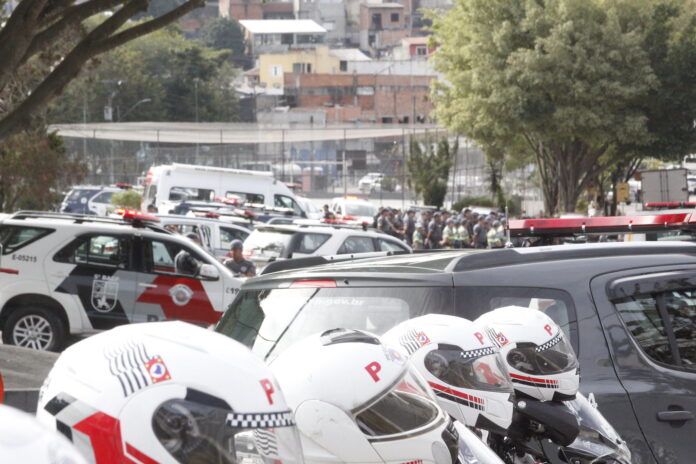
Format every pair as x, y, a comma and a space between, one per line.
357, 400
167, 393
544, 372
470, 379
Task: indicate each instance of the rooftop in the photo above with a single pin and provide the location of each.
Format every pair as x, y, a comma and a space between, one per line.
383, 5
415, 40
282, 26
349, 54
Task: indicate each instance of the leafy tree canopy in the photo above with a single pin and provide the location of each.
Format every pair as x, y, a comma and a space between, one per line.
226, 34
567, 81
429, 163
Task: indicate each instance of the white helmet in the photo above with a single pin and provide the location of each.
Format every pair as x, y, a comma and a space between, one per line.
168, 392
356, 401
24, 439
539, 359
463, 367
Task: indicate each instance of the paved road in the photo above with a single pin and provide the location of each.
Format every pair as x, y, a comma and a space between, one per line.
22, 368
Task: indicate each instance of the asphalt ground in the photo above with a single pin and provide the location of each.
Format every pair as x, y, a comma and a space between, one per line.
23, 372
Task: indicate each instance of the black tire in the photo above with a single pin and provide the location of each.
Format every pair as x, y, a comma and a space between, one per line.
50, 328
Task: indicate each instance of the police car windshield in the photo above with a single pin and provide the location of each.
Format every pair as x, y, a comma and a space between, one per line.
76, 195
360, 209
270, 320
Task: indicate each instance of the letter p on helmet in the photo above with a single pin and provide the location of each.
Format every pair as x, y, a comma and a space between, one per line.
373, 369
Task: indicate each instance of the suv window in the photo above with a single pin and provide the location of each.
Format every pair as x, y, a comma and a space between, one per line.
388, 245
357, 245
161, 258
12, 238
100, 250
664, 325
557, 304
104, 197
190, 194
311, 242
228, 235
284, 201
270, 320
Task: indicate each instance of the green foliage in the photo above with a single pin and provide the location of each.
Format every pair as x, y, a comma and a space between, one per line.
429, 164
127, 199
165, 68
562, 80
226, 34
389, 183
466, 202
34, 171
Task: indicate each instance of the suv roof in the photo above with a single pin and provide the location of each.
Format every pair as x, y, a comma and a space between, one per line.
445, 263
67, 219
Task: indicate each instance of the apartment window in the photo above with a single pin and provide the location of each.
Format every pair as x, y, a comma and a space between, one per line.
377, 21
302, 68
344, 66
421, 51
395, 17
276, 70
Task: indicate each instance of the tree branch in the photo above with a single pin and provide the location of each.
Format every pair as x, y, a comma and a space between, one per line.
97, 41
71, 17
149, 26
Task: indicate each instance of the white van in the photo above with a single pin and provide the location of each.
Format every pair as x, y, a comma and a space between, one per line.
169, 184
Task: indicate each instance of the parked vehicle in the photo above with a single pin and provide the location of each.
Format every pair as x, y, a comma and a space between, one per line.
689, 163
629, 310
667, 185
310, 208
168, 185
90, 199
353, 210
216, 236
371, 182
274, 242
63, 274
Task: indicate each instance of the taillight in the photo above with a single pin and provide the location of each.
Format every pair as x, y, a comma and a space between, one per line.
313, 284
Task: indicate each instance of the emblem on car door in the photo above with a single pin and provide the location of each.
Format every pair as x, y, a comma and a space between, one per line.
181, 294
104, 293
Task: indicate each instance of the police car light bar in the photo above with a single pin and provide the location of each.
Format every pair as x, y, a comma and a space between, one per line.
135, 215
609, 224
670, 204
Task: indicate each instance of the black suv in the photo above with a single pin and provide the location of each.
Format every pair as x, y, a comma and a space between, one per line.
629, 310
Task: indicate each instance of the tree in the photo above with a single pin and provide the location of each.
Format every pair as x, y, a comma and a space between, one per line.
35, 170
127, 199
225, 34
429, 164
56, 32
153, 79
560, 79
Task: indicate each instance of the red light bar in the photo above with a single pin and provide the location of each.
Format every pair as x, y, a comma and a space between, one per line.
670, 204
135, 215
211, 214
333, 221
122, 185
313, 284
609, 224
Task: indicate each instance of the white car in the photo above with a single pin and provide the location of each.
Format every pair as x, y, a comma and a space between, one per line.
270, 242
64, 274
371, 182
353, 210
216, 235
90, 199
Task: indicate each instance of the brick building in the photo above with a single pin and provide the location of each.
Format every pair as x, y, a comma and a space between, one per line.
255, 9
382, 26
364, 97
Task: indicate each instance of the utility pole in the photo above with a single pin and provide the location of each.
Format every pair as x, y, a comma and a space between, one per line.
195, 93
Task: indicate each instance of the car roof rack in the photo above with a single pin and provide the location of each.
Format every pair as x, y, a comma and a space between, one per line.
602, 225
300, 263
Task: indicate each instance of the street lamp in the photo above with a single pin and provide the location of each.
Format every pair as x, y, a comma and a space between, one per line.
139, 102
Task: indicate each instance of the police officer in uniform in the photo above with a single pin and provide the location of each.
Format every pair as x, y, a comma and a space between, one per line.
237, 264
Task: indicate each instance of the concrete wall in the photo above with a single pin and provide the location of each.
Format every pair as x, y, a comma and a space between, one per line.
331, 14
273, 66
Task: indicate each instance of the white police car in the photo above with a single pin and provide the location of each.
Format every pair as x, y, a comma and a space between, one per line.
64, 274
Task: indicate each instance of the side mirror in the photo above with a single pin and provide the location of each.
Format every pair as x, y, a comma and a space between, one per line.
208, 272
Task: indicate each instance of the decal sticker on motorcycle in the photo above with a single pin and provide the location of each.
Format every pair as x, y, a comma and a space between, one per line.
104, 293
180, 294
458, 397
134, 368
412, 340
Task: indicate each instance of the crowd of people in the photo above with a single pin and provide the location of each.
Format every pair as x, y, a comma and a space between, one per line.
433, 230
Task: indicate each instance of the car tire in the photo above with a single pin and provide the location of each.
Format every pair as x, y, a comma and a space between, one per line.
34, 327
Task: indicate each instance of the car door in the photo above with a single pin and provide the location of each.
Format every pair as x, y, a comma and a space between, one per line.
168, 293
356, 244
649, 320
98, 270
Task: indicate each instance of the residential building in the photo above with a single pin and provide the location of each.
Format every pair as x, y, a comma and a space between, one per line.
281, 35
331, 14
255, 9
272, 67
361, 97
382, 26
413, 48
348, 55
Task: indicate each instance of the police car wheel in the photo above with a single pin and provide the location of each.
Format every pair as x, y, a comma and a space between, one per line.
34, 327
